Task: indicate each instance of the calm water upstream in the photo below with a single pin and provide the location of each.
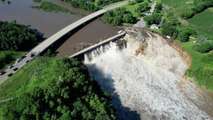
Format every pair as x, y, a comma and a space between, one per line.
49, 23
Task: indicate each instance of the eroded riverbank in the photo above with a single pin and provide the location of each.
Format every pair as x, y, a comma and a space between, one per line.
148, 77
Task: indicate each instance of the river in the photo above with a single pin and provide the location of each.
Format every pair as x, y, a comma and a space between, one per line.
49, 23
147, 80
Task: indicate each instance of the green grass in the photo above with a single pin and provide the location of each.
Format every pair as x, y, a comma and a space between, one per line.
178, 6
1, 108
51, 7
133, 8
202, 65
113, 3
10, 87
203, 22
159, 1
15, 55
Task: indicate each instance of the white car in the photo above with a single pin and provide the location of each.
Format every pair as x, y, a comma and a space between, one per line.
18, 60
9, 67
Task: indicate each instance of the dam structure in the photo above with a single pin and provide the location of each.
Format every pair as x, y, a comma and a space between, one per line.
117, 37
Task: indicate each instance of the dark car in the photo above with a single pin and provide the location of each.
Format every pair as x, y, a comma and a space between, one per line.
3, 72
32, 55
18, 60
15, 69
23, 57
10, 74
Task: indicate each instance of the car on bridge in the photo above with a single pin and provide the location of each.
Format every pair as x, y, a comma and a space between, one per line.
23, 57
15, 69
18, 60
32, 54
9, 67
10, 74
2, 73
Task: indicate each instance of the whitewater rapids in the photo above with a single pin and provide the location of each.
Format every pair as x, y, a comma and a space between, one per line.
148, 77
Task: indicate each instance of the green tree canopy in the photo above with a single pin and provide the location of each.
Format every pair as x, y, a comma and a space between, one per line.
63, 90
14, 36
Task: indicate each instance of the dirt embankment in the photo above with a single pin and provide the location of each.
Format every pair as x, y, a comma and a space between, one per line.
177, 47
182, 52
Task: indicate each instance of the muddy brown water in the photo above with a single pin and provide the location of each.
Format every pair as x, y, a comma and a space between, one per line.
49, 23
90, 34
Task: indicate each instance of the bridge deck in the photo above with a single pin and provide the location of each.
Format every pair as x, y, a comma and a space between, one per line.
45, 44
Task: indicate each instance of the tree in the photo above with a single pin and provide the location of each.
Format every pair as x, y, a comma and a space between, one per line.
155, 18
91, 5
171, 19
185, 33
139, 1
119, 16
158, 7
187, 14
129, 18
169, 30
143, 7
117, 20
66, 92
5, 58
183, 36
15, 36
199, 6
204, 46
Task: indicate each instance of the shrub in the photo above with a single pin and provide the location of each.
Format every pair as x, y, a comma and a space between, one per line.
169, 29
119, 16
155, 18
14, 36
139, 1
200, 6
185, 33
187, 14
143, 7
204, 47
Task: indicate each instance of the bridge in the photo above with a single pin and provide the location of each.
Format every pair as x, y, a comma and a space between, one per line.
45, 44
48, 42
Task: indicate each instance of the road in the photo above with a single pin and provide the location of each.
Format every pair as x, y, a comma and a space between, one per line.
46, 43
142, 23
18, 65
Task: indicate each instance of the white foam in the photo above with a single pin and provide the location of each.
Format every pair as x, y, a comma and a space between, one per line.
148, 83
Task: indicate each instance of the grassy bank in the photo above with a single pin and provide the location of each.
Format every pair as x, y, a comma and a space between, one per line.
133, 8
8, 58
52, 88
202, 66
202, 63
177, 6
10, 87
51, 7
203, 22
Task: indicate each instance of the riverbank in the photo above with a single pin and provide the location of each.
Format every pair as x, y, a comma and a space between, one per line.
147, 80
49, 23
186, 34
